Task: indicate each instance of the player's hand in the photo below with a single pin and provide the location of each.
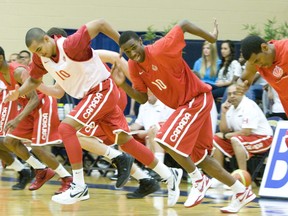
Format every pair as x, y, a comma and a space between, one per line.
215, 30
225, 106
242, 87
13, 94
117, 74
219, 134
11, 125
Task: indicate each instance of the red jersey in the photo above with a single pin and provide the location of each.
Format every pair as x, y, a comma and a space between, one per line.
277, 74
11, 86
166, 73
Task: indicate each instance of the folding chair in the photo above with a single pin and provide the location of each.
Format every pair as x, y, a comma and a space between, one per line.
256, 164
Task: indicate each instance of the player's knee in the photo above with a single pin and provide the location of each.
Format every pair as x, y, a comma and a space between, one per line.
66, 130
123, 138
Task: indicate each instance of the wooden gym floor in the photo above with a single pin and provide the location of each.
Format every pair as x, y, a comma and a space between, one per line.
105, 200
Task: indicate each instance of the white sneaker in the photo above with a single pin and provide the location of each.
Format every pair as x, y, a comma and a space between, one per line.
238, 201
74, 194
173, 186
198, 191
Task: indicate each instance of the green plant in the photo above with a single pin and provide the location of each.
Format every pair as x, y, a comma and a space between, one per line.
151, 34
270, 30
168, 28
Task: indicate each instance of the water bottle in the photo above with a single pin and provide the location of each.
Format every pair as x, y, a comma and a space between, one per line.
61, 111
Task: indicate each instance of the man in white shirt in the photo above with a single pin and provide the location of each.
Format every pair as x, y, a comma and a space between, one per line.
244, 129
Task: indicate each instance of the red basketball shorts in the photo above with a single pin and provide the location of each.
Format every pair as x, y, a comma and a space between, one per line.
188, 130
41, 126
252, 144
100, 113
8, 111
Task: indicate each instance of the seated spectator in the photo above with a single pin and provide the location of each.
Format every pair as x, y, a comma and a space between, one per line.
207, 66
244, 130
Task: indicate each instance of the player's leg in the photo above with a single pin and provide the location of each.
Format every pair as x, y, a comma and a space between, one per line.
10, 160
45, 132
91, 139
147, 185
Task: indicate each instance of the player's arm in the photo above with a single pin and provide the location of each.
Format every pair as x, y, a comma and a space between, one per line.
246, 79
189, 27
242, 132
96, 26
32, 103
55, 90
114, 58
120, 79
29, 85
223, 126
140, 97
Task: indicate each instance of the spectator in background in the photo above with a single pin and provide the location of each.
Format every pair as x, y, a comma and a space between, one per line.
207, 66
14, 57
244, 129
230, 69
25, 57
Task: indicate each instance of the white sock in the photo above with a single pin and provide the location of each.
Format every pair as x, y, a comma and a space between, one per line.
78, 177
160, 156
140, 174
35, 163
238, 187
195, 175
162, 170
17, 165
61, 171
112, 153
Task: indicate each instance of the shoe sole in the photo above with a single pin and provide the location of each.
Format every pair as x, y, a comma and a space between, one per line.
86, 197
32, 189
250, 199
178, 181
199, 201
121, 184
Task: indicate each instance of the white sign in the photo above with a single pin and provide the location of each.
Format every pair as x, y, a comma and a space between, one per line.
275, 179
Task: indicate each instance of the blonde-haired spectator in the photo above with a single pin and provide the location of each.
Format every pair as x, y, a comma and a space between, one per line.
207, 66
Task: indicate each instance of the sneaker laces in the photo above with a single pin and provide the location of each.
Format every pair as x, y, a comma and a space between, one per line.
199, 184
72, 186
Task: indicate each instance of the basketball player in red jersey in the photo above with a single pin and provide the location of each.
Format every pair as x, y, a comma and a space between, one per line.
37, 123
270, 59
93, 139
187, 134
81, 73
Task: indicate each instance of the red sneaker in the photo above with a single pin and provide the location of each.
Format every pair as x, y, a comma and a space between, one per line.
41, 176
66, 181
